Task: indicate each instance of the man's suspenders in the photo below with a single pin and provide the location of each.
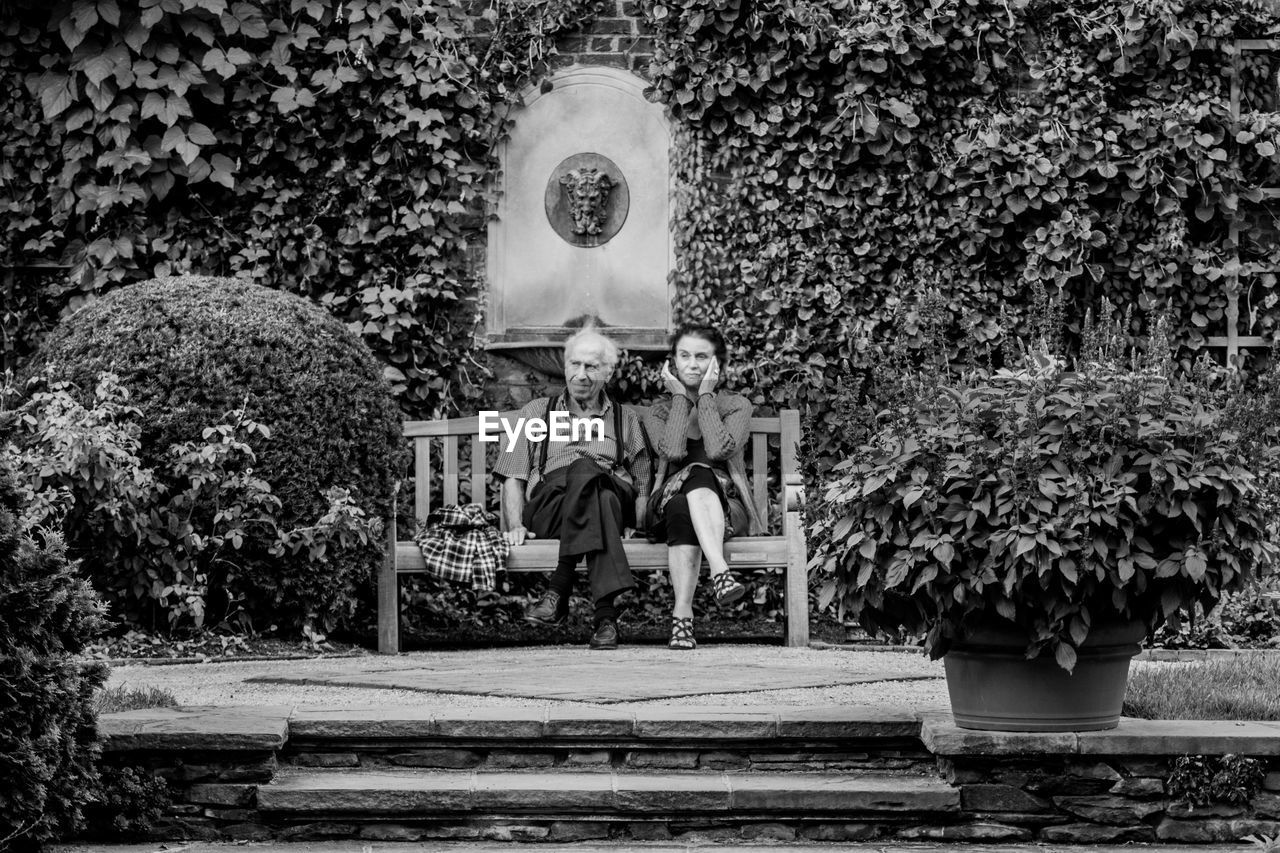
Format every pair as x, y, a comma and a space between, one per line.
617, 437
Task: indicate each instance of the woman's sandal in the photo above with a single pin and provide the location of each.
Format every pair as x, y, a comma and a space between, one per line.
682, 633
727, 589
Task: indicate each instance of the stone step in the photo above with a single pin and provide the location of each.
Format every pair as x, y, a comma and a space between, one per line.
576, 739
430, 795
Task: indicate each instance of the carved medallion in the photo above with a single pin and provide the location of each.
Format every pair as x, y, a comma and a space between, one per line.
587, 199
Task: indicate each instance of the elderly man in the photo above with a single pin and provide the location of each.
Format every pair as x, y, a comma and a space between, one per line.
584, 491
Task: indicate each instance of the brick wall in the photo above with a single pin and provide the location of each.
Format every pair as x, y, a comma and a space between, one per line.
617, 38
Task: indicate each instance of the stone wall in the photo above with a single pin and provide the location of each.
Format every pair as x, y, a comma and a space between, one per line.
1102, 787
818, 775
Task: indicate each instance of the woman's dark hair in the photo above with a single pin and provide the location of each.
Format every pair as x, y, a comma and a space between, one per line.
697, 330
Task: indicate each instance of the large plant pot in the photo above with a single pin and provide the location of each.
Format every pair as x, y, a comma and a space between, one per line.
994, 687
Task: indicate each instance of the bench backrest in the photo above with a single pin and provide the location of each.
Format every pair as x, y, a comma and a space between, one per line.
465, 463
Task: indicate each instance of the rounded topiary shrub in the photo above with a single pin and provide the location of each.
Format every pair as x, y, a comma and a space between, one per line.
48, 739
189, 350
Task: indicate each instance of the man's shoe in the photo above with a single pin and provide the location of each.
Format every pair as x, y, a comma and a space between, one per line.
549, 610
606, 635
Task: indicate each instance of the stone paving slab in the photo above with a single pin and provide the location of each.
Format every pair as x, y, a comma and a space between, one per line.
632, 847
380, 792
626, 675
942, 736
551, 720
247, 728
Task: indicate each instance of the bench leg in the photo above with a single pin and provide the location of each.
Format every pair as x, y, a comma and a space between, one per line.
797, 583
389, 598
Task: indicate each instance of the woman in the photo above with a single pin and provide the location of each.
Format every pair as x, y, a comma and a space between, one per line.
699, 497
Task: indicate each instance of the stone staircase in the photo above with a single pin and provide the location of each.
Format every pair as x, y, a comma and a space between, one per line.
544, 774
689, 775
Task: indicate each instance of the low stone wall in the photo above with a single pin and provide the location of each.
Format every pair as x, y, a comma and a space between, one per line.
1101, 787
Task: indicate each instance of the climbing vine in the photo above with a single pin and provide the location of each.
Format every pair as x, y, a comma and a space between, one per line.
335, 149
836, 154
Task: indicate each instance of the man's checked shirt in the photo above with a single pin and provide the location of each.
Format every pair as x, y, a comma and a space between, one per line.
463, 544
522, 459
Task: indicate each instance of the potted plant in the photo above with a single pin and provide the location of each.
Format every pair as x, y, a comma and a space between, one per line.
1034, 523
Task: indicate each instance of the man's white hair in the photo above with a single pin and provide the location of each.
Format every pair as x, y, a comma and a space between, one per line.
592, 335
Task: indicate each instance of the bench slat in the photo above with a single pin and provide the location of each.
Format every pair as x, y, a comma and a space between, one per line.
759, 476
421, 479
450, 469
748, 552
478, 473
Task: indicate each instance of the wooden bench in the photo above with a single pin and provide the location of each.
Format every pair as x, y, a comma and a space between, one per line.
784, 549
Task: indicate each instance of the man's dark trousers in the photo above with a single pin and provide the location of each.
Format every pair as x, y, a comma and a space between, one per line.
586, 507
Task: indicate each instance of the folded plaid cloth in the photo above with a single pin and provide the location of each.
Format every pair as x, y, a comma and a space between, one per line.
463, 544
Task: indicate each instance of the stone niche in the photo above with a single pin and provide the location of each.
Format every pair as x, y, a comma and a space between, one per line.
582, 227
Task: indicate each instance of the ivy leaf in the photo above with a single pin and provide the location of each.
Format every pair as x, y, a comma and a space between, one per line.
161, 184
175, 139
152, 13
244, 19
84, 14
222, 169
216, 60
103, 65
56, 93
109, 12
200, 134
136, 36
217, 7
286, 99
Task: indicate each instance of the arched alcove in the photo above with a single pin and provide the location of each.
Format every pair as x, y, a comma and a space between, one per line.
553, 259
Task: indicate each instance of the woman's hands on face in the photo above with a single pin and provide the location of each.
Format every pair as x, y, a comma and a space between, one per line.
711, 378
673, 385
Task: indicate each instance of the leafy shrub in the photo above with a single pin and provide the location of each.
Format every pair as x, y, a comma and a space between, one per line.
191, 349
169, 540
129, 801
1201, 780
1245, 619
48, 740
1056, 498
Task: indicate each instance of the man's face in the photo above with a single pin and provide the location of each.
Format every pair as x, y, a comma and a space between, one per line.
585, 371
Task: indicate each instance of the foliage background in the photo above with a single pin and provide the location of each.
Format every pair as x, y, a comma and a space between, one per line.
338, 150
837, 154
833, 153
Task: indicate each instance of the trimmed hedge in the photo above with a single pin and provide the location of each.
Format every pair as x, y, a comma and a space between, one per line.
48, 614
190, 349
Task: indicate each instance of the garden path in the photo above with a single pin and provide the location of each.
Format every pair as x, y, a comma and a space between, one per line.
632, 676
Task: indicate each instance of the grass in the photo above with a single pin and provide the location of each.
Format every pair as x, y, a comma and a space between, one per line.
1240, 687
126, 698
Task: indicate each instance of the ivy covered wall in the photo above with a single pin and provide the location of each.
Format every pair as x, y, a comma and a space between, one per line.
337, 149
833, 155
839, 153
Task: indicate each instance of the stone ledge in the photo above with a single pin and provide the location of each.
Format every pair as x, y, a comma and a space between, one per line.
550, 721
381, 793
942, 736
196, 729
